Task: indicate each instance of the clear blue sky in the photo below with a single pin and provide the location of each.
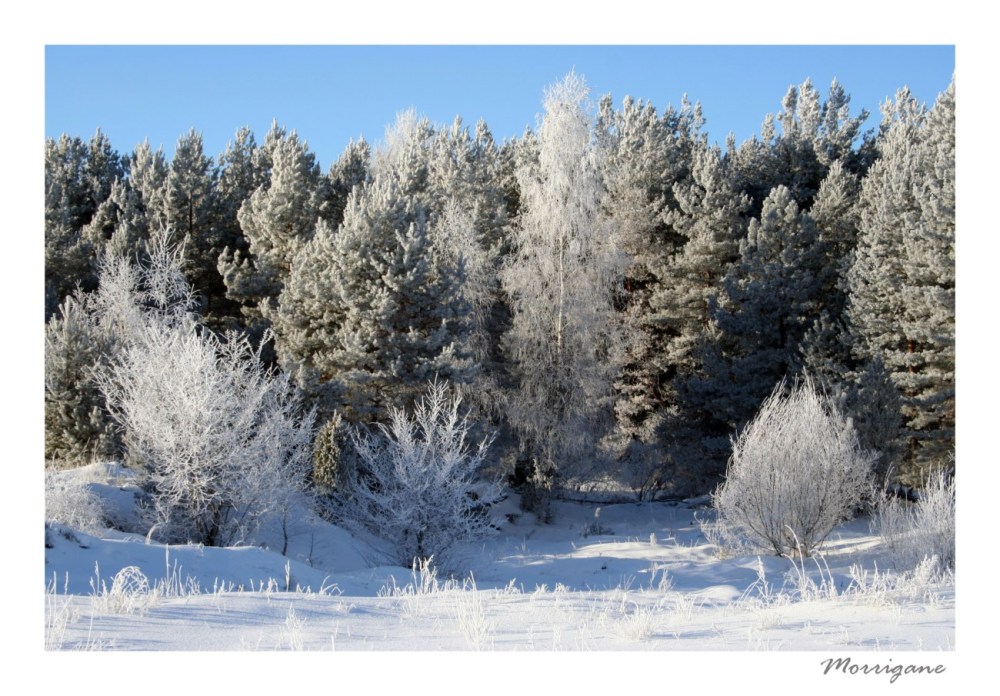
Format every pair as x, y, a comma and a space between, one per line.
330, 94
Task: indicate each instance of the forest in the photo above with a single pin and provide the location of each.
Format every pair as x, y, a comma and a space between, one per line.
595, 310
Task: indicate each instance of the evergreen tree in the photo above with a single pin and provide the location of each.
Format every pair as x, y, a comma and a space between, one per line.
78, 179
277, 220
78, 427
352, 169
709, 213
236, 176
120, 223
190, 209
644, 156
373, 310
798, 146
768, 302
902, 280
467, 212
827, 346
147, 174
453, 176
562, 277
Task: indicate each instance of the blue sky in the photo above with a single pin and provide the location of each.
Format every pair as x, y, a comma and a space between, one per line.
330, 94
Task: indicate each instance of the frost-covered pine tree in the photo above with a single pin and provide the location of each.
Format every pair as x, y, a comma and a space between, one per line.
190, 208
147, 174
645, 155
827, 346
277, 220
404, 154
78, 427
351, 170
768, 302
373, 310
902, 280
452, 175
562, 278
78, 178
120, 223
710, 214
467, 212
799, 144
238, 173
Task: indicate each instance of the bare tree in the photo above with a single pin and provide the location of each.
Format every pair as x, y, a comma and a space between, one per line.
565, 339
221, 439
418, 482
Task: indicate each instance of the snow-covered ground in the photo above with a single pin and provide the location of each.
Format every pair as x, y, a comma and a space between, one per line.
647, 580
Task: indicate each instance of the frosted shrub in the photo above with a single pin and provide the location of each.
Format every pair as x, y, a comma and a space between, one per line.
796, 471
222, 440
129, 592
70, 502
915, 531
334, 460
417, 485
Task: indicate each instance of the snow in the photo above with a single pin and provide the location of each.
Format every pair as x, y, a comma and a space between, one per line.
649, 582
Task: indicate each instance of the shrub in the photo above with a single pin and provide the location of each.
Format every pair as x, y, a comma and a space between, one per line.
334, 458
70, 502
924, 529
417, 485
221, 439
796, 471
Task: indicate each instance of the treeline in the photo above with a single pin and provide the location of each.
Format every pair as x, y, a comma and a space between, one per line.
612, 294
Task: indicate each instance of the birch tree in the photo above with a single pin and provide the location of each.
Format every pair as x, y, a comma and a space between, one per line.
562, 277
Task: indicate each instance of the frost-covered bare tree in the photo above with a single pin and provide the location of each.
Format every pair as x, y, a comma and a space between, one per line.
562, 277
221, 440
796, 472
418, 482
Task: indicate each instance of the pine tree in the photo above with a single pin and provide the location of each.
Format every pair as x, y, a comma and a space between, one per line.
645, 155
373, 310
453, 176
147, 174
827, 346
78, 427
798, 146
562, 277
277, 220
709, 213
902, 280
769, 301
351, 170
78, 179
190, 209
237, 175
467, 213
120, 223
